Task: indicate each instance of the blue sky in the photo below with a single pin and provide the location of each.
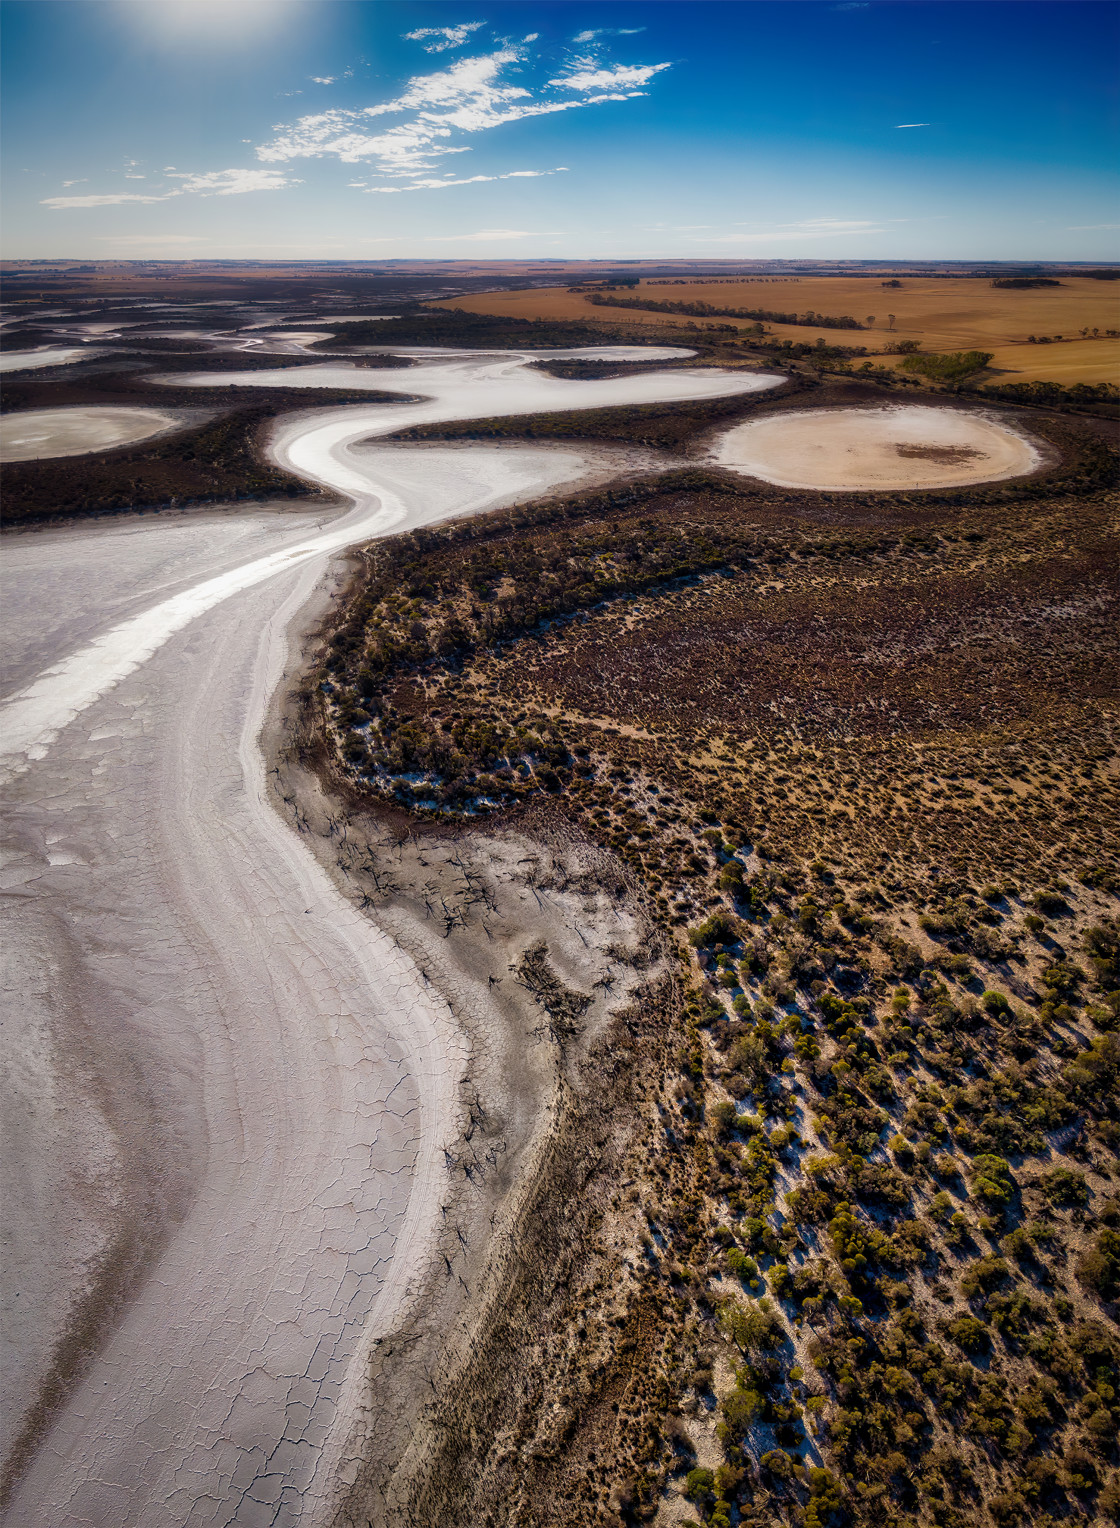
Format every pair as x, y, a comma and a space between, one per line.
296, 129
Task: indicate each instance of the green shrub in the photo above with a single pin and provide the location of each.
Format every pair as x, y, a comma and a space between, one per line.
1098, 1269
992, 1182
740, 1409
720, 928
742, 1266
954, 366
1062, 1185
760, 1329
698, 1484
778, 1463
994, 1003
723, 1116
970, 1334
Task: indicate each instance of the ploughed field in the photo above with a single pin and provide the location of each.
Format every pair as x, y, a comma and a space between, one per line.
858, 754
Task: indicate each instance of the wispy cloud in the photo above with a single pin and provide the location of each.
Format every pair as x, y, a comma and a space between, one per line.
470, 96
212, 183
1088, 227
109, 199
439, 39
322, 79
84, 181
626, 77
234, 182
607, 32
442, 184
434, 113
911, 124
853, 5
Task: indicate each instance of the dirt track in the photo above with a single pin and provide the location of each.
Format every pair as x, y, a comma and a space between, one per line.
237, 1183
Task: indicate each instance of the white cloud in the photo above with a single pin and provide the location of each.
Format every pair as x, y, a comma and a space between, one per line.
234, 182
469, 180
470, 96
322, 79
484, 235
911, 124
109, 200
213, 183
607, 32
84, 181
439, 39
629, 77
1089, 227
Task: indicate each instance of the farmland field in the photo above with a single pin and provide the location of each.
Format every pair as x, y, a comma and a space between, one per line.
940, 314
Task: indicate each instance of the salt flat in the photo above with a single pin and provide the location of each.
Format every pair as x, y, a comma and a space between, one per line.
907, 446
34, 433
251, 1084
53, 355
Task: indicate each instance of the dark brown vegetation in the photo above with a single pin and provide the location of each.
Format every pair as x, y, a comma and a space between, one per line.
441, 326
856, 755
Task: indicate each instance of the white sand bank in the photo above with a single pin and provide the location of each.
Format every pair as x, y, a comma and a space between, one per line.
479, 383
901, 446
74, 431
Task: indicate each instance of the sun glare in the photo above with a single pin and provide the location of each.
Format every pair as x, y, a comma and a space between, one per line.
209, 21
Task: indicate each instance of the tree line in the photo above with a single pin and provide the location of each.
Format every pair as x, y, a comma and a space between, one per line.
707, 310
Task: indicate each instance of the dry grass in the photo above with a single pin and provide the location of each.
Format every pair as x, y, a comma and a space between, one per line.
942, 315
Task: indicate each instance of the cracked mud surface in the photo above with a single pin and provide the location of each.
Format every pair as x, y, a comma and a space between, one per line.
229, 1090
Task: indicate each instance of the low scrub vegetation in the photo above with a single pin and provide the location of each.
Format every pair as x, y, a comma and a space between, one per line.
856, 756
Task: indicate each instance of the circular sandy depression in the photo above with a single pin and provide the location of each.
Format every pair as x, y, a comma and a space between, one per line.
904, 446
74, 431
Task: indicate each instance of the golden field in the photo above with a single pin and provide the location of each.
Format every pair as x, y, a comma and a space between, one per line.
942, 315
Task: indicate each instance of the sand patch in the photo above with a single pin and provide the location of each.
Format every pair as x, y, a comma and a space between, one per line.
73, 432
909, 446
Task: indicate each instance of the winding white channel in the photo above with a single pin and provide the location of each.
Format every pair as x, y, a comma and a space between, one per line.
212, 1018
314, 448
